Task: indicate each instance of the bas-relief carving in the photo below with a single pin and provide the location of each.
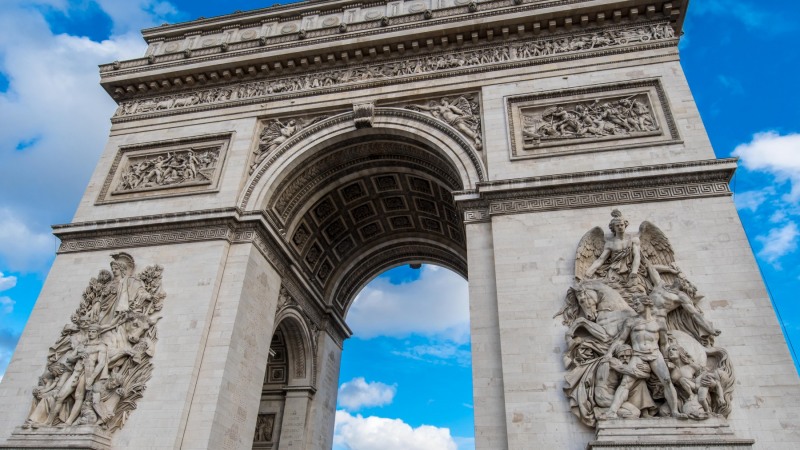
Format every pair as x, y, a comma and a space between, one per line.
98, 368
275, 132
407, 67
638, 345
462, 113
591, 118
610, 118
265, 424
168, 169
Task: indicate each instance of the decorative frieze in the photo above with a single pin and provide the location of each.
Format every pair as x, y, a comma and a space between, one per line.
536, 51
186, 166
597, 118
98, 368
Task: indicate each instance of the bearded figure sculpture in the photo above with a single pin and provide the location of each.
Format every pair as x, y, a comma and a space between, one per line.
638, 344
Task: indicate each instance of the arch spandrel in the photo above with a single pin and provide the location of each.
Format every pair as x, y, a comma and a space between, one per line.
340, 127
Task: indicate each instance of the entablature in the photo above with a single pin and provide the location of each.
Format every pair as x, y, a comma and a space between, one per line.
241, 57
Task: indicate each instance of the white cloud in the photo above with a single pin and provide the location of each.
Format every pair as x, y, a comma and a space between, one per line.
21, 248
438, 353
779, 242
751, 15
54, 115
357, 393
776, 154
751, 200
7, 282
437, 304
6, 305
378, 433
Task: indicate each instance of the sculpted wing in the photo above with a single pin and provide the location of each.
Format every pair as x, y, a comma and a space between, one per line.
589, 249
655, 245
270, 133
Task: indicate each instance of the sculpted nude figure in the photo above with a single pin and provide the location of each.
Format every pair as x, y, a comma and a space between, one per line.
644, 331
669, 298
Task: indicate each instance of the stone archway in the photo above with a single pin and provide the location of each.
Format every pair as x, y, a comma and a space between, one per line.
293, 152
352, 203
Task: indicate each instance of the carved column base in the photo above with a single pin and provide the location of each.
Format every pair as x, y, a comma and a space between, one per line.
73, 438
666, 433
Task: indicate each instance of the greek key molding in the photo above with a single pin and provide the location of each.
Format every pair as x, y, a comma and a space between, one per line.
590, 200
677, 181
436, 65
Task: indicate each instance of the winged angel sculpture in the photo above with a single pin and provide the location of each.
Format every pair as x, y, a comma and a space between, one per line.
276, 133
638, 344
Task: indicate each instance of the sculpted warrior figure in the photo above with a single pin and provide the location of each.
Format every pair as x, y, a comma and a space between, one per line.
644, 332
693, 382
126, 290
609, 376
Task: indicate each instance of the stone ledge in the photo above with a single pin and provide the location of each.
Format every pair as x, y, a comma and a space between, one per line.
666, 433
73, 438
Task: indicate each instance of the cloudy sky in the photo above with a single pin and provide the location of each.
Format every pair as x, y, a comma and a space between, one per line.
54, 122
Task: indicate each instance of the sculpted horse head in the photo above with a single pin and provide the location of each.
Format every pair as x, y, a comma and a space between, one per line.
596, 302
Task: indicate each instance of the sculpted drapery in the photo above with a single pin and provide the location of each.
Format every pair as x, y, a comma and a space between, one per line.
638, 344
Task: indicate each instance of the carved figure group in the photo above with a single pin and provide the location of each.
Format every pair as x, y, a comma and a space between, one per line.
629, 116
98, 368
171, 169
638, 344
274, 133
462, 113
520, 50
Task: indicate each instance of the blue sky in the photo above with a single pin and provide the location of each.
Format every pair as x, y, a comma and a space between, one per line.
737, 55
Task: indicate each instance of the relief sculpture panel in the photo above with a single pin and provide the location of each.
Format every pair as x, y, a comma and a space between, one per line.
638, 344
98, 368
165, 168
597, 118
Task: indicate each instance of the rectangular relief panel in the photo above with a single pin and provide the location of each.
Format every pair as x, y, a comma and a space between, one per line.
587, 119
166, 169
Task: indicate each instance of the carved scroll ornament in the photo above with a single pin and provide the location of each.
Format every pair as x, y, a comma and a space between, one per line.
406, 67
638, 345
97, 370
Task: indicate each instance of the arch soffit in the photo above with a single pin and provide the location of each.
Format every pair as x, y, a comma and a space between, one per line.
387, 122
378, 259
299, 345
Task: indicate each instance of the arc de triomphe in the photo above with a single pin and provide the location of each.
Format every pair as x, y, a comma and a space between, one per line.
263, 166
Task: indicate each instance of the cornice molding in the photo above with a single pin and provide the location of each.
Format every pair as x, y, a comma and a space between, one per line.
491, 57
676, 181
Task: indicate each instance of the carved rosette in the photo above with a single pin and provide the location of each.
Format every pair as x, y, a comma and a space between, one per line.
99, 367
638, 344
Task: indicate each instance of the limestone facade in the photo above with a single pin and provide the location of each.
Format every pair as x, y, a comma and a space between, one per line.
274, 161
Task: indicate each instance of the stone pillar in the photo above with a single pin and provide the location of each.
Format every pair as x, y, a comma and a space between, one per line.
487, 369
225, 405
322, 416
295, 417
